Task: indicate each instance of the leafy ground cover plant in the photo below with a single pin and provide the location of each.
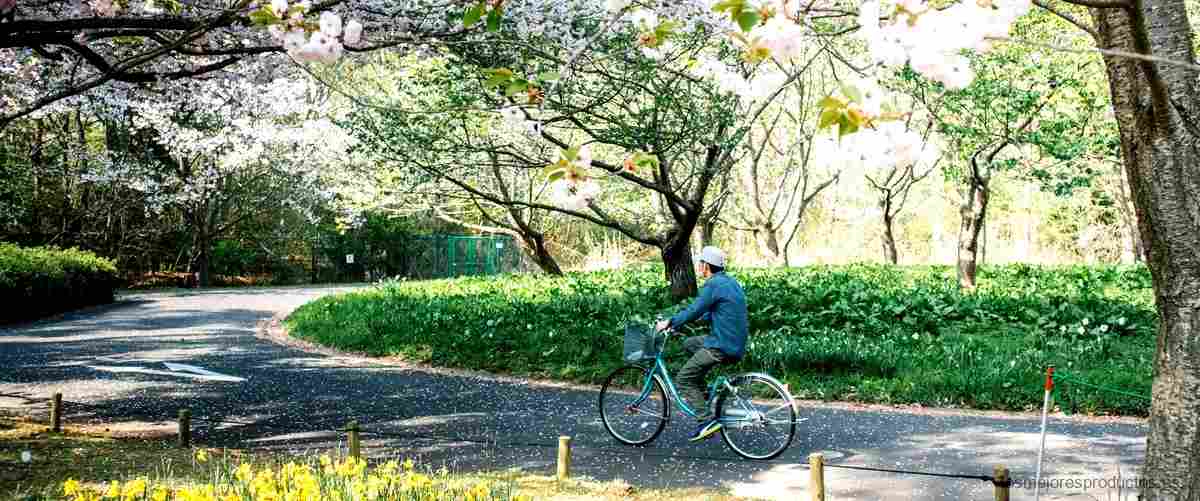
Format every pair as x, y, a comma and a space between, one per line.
868, 333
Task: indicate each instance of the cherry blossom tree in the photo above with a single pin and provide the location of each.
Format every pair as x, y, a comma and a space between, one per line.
227, 155
52, 52
641, 136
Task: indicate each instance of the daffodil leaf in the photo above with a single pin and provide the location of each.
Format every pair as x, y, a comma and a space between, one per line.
472, 15
493, 19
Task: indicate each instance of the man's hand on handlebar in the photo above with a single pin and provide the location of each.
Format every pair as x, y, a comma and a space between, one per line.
662, 325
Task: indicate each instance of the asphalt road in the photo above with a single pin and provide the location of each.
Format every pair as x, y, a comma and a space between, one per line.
113, 360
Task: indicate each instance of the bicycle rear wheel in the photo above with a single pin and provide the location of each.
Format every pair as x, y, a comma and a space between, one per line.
758, 416
632, 413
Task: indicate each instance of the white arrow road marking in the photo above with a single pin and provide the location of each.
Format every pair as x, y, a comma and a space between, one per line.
202, 374
216, 376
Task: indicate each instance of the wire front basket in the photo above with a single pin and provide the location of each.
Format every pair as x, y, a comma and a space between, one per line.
642, 343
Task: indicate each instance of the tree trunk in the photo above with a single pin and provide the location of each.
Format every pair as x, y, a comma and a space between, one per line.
983, 241
1156, 107
204, 258
1130, 220
313, 270
767, 239
973, 211
889, 241
680, 270
707, 231
35, 164
536, 246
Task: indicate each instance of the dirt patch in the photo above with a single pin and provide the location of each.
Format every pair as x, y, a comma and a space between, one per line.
93, 452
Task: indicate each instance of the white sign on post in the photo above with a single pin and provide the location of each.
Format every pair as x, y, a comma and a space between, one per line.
349, 258
499, 245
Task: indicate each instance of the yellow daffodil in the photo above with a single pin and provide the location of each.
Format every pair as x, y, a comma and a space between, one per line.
114, 490
243, 473
201, 455
70, 487
134, 489
160, 494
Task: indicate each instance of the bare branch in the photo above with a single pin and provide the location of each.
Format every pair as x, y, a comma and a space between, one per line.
1067, 17
1095, 50
1102, 4
121, 67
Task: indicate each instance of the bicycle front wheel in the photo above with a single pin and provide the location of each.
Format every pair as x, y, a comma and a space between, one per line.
757, 415
634, 410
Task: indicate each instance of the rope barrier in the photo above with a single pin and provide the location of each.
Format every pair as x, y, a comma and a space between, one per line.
623, 451
1062, 376
985, 478
81, 404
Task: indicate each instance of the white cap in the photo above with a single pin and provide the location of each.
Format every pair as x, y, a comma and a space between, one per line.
713, 256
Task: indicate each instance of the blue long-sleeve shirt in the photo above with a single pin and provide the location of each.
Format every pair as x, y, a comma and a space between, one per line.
723, 302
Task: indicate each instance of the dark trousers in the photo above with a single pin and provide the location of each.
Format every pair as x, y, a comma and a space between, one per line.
690, 379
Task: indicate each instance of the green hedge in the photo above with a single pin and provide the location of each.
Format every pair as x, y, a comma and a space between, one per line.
35, 282
861, 332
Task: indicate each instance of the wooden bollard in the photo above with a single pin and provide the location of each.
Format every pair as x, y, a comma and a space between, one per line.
816, 467
56, 413
353, 440
1001, 481
564, 458
185, 428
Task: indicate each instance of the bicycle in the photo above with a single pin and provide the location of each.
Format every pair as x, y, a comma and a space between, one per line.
742, 403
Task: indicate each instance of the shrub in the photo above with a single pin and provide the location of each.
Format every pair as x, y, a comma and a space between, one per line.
36, 282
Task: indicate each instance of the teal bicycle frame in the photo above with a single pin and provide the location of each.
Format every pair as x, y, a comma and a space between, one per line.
660, 367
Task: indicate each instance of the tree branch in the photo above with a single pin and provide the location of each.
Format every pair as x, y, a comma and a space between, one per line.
1067, 17
123, 66
1102, 4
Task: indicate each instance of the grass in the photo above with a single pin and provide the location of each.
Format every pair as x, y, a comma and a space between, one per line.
96, 459
878, 334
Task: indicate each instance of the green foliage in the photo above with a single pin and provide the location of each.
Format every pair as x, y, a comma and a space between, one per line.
861, 332
1024, 100
41, 281
745, 15
473, 14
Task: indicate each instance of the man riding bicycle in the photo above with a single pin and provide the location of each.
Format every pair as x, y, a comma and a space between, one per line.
723, 303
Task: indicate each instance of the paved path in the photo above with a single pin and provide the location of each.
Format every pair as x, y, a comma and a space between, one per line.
113, 359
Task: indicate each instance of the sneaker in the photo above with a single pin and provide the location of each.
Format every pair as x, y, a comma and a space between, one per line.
705, 430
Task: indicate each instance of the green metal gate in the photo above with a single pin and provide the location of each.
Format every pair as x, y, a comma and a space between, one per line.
446, 256
418, 257
479, 255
